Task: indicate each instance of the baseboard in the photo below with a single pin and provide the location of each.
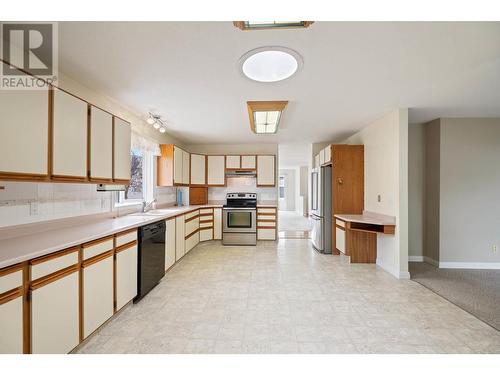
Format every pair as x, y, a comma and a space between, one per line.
388, 269
415, 258
470, 265
431, 261
404, 275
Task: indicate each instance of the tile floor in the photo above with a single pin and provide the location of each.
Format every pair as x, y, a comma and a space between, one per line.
285, 298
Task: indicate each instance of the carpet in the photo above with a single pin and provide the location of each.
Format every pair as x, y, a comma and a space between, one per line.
475, 291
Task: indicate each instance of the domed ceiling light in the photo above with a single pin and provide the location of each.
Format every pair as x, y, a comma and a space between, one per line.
270, 64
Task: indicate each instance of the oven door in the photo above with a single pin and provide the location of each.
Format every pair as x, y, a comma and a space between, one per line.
239, 220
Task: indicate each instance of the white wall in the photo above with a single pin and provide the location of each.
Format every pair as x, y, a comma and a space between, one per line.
289, 202
386, 174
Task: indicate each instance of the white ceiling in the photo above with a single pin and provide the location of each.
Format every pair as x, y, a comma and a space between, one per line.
353, 73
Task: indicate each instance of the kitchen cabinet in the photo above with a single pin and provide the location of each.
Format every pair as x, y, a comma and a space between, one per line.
216, 170
198, 169
97, 274
121, 150
267, 223
316, 161
340, 236
327, 154
217, 223
178, 166
185, 167
322, 157
101, 145
11, 310
266, 170
69, 136
248, 162
24, 134
192, 225
233, 162
55, 322
179, 237
206, 224
169, 243
126, 274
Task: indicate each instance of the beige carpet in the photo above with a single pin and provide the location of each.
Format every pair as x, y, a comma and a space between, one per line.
475, 291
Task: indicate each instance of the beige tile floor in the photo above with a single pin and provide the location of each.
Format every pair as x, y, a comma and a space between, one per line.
285, 298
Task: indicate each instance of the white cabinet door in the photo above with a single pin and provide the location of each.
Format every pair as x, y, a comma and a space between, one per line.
24, 131
55, 316
266, 175
248, 161
11, 326
179, 237
316, 161
178, 165
205, 234
126, 276
322, 157
101, 144
217, 223
328, 154
69, 152
216, 170
233, 162
198, 171
122, 133
97, 294
185, 167
169, 243
340, 240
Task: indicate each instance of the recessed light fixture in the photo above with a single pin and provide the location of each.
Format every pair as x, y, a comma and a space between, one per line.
258, 25
265, 116
270, 64
157, 122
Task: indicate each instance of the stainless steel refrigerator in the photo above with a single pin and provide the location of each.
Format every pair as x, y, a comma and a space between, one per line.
321, 209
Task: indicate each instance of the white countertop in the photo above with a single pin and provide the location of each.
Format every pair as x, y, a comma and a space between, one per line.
368, 218
25, 247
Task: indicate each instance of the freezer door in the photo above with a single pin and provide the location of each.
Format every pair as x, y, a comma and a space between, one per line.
317, 233
316, 203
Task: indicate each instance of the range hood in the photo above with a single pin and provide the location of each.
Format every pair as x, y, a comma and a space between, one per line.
241, 173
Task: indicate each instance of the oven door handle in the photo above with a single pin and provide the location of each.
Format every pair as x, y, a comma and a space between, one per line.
239, 208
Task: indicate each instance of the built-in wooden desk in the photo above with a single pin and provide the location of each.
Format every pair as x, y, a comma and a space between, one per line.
356, 235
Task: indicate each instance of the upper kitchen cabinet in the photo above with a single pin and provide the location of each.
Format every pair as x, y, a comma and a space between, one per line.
216, 170
69, 137
101, 145
325, 155
24, 134
121, 150
198, 169
173, 166
233, 161
266, 170
248, 162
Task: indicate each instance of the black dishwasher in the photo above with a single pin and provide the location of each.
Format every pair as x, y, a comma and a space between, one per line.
151, 260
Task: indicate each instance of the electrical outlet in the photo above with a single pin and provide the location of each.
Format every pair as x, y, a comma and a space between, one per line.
494, 248
379, 198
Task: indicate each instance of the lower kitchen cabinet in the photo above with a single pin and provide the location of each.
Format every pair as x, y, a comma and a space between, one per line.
55, 315
97, 293
179, 237
206, 234
192, 241
340, 236
217, 223
126, 274
266, 223
11, 326
169, 243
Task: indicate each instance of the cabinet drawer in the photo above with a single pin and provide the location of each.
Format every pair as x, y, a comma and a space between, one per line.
44, 266
12, 279
192, 241
192, 226
97, 247
340, 240
189, 215
266, 234
266, 217
123, 238
267, 224
208, 224
340, 223
206, 234
206, 211
266, 210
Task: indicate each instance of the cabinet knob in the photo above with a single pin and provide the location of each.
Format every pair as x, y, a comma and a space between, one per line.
340, 181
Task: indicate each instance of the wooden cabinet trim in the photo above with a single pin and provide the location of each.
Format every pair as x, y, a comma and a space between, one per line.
97, 258
99, 240
11, 294
11, 269
52, 256
191, 218
125, 246
54, 277
191, 234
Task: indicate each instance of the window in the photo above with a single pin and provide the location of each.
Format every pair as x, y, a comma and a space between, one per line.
141, 179
282, 187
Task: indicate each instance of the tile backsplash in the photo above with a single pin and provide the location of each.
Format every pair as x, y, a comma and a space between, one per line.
31, 202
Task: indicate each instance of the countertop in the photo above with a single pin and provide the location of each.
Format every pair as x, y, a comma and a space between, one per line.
368, 218
35, 244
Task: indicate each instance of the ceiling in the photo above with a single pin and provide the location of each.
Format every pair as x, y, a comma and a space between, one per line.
353, 73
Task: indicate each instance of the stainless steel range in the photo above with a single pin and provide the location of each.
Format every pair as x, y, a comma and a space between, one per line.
239, 218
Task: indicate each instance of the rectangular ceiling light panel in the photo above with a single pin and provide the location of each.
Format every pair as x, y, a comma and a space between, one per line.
265, 116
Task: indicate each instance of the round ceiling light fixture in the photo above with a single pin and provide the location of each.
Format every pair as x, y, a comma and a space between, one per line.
270, 64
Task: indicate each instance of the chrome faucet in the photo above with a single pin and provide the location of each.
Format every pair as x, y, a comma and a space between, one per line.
147, 206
